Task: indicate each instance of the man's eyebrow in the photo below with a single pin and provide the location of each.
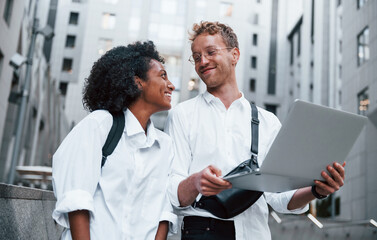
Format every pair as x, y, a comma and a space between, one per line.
210, 46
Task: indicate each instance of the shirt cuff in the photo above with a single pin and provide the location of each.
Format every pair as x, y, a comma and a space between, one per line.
279, 202
173, 221
175, 180
72, 201
297, 210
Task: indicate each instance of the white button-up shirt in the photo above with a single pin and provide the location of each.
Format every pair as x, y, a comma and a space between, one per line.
204, 132
127, 197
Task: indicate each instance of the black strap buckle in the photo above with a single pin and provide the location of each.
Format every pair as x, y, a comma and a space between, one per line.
254, 158
255, 120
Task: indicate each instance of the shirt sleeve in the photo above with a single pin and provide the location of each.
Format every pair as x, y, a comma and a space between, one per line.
168, 212
279, 202
169, 215
77, 169
177, 129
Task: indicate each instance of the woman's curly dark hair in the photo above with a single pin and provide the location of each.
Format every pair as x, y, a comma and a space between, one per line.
111, 84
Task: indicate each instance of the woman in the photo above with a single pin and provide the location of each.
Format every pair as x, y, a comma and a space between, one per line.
124, 199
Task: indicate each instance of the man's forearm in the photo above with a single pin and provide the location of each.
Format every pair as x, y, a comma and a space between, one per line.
300, 198
187, 191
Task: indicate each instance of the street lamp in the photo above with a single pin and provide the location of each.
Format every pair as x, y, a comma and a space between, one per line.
17, 61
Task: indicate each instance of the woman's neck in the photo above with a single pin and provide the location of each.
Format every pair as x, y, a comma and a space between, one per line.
141, 113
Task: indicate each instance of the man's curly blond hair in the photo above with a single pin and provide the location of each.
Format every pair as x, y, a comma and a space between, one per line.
212, 28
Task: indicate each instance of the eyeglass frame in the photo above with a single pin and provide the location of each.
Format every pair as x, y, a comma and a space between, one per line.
192, 60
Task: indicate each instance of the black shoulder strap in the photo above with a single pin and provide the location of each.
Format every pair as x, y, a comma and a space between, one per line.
254, 134
114, 136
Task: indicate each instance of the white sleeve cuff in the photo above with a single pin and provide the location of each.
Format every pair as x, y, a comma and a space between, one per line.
72, 201
173, 221
279, 202
175, 180
300, 210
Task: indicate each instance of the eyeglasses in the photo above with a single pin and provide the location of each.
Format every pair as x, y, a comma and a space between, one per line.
209, 54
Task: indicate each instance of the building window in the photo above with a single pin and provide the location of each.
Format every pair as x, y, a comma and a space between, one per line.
252, 85
299, 42
76, 1
327, 207
74, 18
340, 46
70, 41
271, 108
168, 7
363, 46
8, 11
111, 1
254, 62
256, 19
340, 72
339, 2
226, 9
1, 62
258, 1
63, 88
108, 21
363, 102
361, 3
291, 45
104, 45
67, 65
255, 39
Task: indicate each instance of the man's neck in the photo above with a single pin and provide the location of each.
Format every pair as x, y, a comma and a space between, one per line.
227, 94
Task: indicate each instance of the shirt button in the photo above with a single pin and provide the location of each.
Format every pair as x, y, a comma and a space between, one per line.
208, 229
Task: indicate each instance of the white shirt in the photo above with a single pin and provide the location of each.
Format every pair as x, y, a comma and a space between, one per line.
127, 197
204, 132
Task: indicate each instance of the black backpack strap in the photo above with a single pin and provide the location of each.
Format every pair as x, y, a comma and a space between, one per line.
254, 134
114, 136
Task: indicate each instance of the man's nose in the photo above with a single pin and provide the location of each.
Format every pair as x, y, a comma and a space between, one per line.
203, 59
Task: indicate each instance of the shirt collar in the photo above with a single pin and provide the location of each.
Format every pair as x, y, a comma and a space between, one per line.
208, 97
136, 132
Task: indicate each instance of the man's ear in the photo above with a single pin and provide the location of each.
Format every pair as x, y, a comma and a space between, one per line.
235, 55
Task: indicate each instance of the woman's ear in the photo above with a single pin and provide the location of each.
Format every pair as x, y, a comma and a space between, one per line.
138, 82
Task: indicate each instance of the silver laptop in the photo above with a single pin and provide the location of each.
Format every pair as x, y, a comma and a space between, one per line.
311, 137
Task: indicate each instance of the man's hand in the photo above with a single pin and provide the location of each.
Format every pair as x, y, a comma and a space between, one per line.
208, 181
333, 182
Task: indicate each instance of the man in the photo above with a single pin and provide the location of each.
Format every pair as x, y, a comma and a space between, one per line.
212, 135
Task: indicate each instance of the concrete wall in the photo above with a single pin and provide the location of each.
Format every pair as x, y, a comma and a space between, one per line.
25, 213
300, 227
